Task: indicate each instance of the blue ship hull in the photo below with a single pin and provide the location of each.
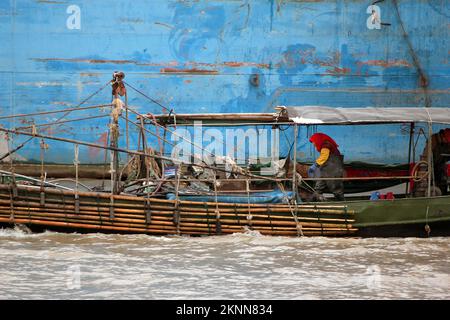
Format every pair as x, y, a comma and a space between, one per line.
223, 56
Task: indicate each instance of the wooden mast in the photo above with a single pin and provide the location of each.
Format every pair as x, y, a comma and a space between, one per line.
118, 89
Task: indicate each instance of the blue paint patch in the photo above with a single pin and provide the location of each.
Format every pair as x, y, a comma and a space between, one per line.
303, 52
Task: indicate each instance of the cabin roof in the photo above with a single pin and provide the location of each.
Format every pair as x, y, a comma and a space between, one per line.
312, 115
367, 115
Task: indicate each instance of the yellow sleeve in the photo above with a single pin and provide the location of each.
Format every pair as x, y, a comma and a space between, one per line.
324, 154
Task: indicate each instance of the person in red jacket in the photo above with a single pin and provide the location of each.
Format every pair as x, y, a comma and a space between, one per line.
330, 164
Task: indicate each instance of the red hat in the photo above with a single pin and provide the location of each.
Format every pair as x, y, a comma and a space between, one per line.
319, 138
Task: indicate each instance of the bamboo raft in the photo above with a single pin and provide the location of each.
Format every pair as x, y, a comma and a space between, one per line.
100, 212
137, 203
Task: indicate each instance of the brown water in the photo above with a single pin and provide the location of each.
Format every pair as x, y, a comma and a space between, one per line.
241, 266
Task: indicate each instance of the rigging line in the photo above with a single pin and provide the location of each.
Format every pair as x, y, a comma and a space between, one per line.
146, 130
55, 111
71, 180
89, 144
172, 132
175, 134
61, 122
152, 100
85, 100
16, 149
173, 145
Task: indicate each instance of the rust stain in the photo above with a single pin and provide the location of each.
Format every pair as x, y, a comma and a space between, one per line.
105, 61
386, 63
333, 61
193, 67
51, 2
192, 71
103, 140
230, 64
339, 71
246, 64
89, 74
187, 81
84, 60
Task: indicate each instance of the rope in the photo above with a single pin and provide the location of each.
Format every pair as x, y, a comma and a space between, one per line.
147, 210
427, 227
217, 212
176, 213
43, 147
15, 150
269, 211
157, 132
111, 170
143, 94
207, 217
156, 124
146, 130
69, 179
318, 219
249, 215
11, 164
97, 200
415, 171
82, 102
237, 216
76, 162
132, 152
12, 186
294, 214
34, 126
111, 207
11, 201
52, 112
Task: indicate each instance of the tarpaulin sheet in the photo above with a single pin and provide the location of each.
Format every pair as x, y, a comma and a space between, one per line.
259, 197
367, 115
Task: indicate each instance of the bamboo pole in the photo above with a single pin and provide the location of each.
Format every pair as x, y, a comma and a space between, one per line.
159, 224
125, 208
140, 214
84, 212
141, 218
165, 215
189, 231
26, 218
140, 200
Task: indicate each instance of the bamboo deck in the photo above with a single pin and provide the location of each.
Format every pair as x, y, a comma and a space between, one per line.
99, 212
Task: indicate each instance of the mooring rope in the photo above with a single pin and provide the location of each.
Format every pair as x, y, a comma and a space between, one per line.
76, 162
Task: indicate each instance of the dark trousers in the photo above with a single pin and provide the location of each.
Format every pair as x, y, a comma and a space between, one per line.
333, 168
336, 187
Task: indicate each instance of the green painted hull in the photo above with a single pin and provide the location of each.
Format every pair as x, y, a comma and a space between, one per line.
402, 217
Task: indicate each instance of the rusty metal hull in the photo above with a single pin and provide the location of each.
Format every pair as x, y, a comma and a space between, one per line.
224, 56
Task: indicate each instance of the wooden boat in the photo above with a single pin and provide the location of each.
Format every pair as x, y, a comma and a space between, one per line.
418, 212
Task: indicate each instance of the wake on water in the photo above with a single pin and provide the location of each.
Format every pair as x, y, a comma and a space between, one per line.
247, 265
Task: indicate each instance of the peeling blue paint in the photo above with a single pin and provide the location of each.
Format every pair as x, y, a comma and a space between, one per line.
304, 52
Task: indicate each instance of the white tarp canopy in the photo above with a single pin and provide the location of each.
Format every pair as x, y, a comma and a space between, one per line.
367, 115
